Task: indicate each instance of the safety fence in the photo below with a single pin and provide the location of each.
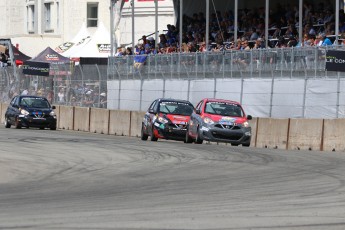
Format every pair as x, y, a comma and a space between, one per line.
87, 85
84, 86
258, 63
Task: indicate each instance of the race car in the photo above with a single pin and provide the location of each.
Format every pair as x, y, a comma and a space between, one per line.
219, 120
166, 119
30, 111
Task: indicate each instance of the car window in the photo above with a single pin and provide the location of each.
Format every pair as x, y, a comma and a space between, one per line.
34, 102
224, 109
199, 106
13, 101
152, 105
177, 108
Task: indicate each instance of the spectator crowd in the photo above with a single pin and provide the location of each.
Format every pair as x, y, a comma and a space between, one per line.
318, 27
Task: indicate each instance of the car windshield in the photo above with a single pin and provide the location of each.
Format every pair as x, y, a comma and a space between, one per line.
34, 102
224, 109
178, 108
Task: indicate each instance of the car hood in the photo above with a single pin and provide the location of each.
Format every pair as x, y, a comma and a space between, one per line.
178, 119
218, 118
40, 110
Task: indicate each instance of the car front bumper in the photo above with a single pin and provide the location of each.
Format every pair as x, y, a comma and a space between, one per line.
29, 121
171, 131
233, 136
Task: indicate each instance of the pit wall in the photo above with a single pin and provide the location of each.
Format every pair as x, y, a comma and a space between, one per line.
287, 133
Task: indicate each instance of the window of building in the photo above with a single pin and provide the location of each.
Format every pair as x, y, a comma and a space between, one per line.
31, 18
92, 14
47, 17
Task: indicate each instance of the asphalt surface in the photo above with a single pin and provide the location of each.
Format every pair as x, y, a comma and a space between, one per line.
77, 180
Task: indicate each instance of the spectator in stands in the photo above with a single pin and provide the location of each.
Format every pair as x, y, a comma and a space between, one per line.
254, 35
326, 41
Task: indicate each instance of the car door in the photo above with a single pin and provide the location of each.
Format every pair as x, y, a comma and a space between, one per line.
13, 110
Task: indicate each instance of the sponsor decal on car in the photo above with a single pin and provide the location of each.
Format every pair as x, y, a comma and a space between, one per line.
227, 121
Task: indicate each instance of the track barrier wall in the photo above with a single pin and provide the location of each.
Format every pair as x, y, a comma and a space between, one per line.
66, 117
119, 122
81, 119
305, 134
272, 133
99, 121
287, 133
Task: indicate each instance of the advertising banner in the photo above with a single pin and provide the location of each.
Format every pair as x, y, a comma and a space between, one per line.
335, 60
36, 68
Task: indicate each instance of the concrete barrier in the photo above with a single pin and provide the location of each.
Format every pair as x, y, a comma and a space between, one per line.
66, 117
81, 119
136, 121
57, 112
272, 133
99, 121
253, 124
119, 122
3, 108
305, 134
334, 135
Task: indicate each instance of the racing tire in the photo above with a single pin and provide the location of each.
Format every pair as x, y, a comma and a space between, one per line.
188, 139
53, 128
7, 124
144, 136
42, 128
233, 144
246, 145
18, 125
153, 137
198, 139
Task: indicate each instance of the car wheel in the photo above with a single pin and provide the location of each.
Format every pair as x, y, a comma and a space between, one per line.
7, 124
53, 128
246, 145
144, 136
41, 127
233, 144
188, 139
153, 137
198, 139
18, 125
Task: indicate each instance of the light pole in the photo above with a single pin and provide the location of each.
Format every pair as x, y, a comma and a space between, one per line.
112, 3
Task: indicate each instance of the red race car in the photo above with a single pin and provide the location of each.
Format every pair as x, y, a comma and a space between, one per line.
219, 120
166, 119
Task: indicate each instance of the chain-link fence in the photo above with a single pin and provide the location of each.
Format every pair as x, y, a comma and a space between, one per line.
86, 85
67, 85
283, 62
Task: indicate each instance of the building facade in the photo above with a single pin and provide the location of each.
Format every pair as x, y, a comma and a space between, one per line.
34, 25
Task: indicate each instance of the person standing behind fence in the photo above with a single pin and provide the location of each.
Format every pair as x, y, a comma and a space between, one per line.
61, 96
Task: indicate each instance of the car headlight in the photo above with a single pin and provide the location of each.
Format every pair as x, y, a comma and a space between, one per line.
208, 120
162, 120
52, 113
24, 112
246, 124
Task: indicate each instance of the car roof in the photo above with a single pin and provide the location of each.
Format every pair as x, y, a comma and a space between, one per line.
220, 100
31, 96
173, 100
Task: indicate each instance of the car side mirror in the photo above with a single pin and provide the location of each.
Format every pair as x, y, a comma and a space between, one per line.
197, 111
249, 117
53, 107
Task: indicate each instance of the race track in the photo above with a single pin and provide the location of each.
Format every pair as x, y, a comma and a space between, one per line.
76, 180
